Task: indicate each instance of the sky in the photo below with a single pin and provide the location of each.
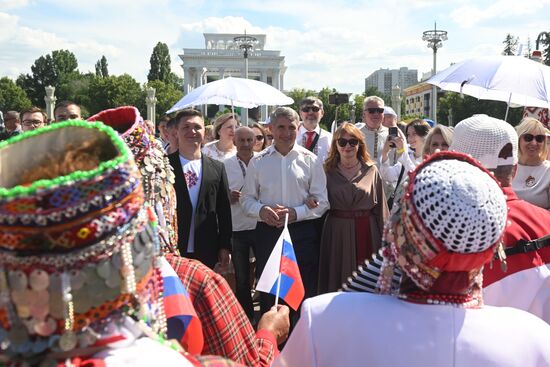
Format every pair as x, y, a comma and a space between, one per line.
335, 44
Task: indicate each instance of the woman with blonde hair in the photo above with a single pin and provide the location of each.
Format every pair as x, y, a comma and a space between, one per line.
354, 224
224, 131
438, 139
532, 180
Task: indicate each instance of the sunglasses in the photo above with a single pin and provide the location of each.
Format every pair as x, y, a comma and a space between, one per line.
310, 108
375, 110
529, 137
259, 137
343, 142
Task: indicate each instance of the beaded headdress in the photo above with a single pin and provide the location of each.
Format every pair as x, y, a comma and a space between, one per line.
448, 225
157, 174
75, 249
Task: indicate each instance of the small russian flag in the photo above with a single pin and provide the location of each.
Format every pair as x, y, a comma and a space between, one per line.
281, 275
182, 321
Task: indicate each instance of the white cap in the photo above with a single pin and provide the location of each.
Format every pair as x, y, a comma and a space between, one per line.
460, 204
389, 111
484, 137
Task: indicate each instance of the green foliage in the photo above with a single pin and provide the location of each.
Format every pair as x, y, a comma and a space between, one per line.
167, 94
114, 91
160, 64
510, 45
12, 97
372, 91
461, 108
101, 68
47, 70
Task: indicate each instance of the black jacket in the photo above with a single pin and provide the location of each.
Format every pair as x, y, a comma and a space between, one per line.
213, 226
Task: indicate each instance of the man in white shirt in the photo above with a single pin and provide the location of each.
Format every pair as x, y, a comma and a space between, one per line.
310, 134
243, 226
278, 182
375, 133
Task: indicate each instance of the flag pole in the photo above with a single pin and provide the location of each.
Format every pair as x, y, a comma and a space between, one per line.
279, 277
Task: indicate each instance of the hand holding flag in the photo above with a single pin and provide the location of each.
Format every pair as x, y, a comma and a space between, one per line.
281, 275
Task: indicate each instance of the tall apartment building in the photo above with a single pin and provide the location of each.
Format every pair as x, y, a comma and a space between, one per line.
385, 79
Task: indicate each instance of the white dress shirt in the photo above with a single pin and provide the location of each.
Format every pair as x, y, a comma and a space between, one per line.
192, 171
236, 172
375, 140
323, 144
288, 180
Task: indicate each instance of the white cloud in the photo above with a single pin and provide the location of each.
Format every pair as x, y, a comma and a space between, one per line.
11, 4
470, 15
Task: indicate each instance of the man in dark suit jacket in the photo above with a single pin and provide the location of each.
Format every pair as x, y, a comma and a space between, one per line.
203, 208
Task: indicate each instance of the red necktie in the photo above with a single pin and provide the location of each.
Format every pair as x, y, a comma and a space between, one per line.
310, 136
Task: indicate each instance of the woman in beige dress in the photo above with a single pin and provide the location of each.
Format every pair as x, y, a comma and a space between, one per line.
354, 225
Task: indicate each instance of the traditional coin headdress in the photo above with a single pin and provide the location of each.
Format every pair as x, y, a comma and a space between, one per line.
157, 174
77, 251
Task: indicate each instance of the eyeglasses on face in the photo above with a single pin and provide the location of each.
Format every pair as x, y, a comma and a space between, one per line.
259, 137
32, 122
307, 109
343, 142
375, 110
529, 137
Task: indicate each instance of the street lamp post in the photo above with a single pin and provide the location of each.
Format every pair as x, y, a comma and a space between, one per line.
435, 40
245, 43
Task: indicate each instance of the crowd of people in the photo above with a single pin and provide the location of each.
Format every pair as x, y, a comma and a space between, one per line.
401, 232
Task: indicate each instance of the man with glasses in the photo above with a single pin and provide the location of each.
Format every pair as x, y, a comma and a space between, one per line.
33, 118
12, 124
310, 134
375, 133
278, 182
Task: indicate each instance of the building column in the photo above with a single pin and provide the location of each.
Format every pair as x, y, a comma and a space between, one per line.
50, 99
151, 103
186, 77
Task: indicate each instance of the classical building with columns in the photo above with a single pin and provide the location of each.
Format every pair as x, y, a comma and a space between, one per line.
222, 57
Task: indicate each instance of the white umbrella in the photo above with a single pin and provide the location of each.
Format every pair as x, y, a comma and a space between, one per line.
512, 79
240, 92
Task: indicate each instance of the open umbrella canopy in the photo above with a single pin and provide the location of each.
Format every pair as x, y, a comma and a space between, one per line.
512, 79
238, 92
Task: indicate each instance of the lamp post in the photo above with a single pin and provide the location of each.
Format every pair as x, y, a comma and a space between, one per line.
435, 40
151, 102
245, 43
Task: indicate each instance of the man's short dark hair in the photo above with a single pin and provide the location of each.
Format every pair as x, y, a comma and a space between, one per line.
164, 119
64, 104
309, 100
12, 115
35, 109
188, 112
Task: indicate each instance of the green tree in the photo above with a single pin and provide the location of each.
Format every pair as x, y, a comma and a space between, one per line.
298, 94
160, 64
114, 91
510, 45
101, 68
167, 94
47, 70
461, 108
373, 91
12, 97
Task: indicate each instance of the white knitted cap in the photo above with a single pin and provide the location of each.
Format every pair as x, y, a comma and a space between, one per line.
483, 137
460, 204
389, 111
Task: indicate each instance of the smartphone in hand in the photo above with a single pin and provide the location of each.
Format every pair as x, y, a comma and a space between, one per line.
392, 134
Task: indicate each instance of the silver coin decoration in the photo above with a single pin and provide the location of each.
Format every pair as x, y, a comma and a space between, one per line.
68, 341
17, 280
39, 280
